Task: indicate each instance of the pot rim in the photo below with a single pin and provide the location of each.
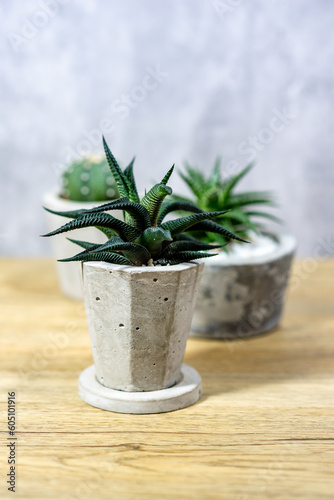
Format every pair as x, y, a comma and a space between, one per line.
141, 269
286, 245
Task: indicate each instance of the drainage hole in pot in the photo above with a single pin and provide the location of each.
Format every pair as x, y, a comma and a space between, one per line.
97, 298
121, 325
165, 299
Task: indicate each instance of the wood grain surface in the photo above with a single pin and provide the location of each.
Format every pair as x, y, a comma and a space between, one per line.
263, 429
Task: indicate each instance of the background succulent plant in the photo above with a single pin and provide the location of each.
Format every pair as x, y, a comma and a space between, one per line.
215, 193
143, 238
89, 179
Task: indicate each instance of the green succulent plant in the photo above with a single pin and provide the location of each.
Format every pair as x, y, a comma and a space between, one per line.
215, 194
88, 179
143, 238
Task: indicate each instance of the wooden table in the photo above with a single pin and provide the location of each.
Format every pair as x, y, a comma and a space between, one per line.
263, 429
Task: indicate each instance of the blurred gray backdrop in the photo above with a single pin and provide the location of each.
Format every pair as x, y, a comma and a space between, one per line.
169, 80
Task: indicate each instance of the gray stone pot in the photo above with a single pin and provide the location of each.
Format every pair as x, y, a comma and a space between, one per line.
139, 319
240, 298
69, 273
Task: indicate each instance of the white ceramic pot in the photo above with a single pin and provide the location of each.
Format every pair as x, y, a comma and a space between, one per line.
69, 273
139, 320
242, 295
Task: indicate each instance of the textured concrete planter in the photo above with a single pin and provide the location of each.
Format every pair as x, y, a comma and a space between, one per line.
69, 273
139, 320
240, 298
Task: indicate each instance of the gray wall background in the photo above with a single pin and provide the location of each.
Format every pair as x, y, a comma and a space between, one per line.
247, 80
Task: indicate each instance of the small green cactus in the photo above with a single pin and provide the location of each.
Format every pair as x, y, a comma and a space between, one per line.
89, 179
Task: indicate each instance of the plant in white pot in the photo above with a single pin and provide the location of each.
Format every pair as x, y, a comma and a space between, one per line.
139, 290
242, 289
84, 183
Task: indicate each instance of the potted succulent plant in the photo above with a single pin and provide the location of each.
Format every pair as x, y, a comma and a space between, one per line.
242, 289
84, 183
139, 291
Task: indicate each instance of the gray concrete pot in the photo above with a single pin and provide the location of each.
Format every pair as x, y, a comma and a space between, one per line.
139, 319
240, 298
69, 273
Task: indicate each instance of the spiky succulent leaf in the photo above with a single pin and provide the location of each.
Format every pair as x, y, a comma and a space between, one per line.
237, 215
230, 184
128, 172
210, 198
140, 217
71, 214
213, 227
215, 176
125, 231
183, 257
74, 214
120, 179
184, 237
84, 244
184, 223
266, 215
109, 233
112, 258
251, 198
153, 199
124, 185
138, 254
177, 206
195, 180
186, 245
168, 175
